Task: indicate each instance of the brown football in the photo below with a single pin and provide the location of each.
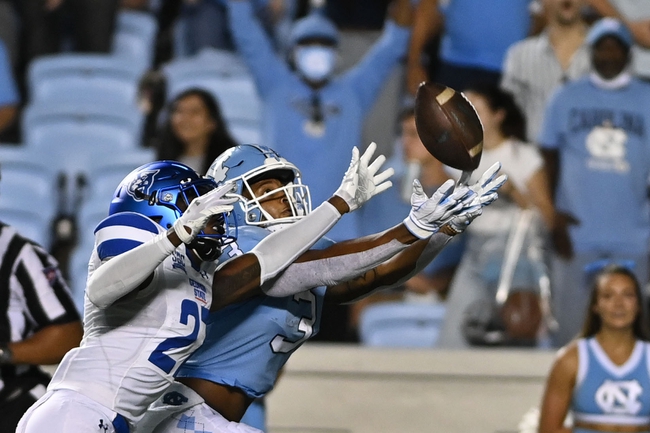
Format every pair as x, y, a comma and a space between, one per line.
448, 126
522, 314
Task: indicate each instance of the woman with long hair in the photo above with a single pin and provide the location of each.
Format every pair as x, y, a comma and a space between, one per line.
476, 279
603, 376
195, 132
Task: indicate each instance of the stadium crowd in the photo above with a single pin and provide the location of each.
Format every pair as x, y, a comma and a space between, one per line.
562, 88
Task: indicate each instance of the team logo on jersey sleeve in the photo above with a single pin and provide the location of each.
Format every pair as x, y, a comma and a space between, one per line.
619, 397
140, 187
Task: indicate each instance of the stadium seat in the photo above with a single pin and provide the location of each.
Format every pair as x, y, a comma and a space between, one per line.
28, 186
400, 324
135, 36
29, 223
98, 126
95, 78
221, 73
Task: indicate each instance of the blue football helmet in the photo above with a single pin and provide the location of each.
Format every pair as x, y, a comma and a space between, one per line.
249, 163
162, 190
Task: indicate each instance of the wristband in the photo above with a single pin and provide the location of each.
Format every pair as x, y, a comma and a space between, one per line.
6, 356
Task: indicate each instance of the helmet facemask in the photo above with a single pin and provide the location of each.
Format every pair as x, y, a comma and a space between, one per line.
292, 190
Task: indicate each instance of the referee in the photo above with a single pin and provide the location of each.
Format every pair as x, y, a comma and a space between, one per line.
38, 323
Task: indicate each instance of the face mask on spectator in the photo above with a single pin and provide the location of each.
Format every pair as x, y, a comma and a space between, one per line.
316, 62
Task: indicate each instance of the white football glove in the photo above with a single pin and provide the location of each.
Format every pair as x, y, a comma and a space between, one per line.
202, 208
486, 192
429, 214
361, 182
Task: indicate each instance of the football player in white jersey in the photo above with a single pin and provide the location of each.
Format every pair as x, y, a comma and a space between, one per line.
148, 296
248, 342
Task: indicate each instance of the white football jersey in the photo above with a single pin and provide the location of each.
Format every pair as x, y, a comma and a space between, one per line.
131, 350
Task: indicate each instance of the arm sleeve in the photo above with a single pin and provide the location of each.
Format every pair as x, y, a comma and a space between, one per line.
299, 277
367, 77
436, 243
254, 47
281, 248
120, 275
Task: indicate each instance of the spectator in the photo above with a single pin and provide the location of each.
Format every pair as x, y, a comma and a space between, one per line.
596, 144
9, 98
195, 132
478, 272
39, 323
475, 35
535, 66
603, 376
310, 115
9, 29
43, 22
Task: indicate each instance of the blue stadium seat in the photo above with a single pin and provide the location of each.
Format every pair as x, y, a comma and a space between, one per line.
400, 324
78, 272
98, 126
29, 223
28, 195
135, 36
96, 78
224, 75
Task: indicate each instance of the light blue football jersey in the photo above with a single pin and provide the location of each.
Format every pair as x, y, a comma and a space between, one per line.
606, 393
247, 343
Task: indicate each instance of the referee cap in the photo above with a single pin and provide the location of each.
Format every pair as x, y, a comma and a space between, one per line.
609, 27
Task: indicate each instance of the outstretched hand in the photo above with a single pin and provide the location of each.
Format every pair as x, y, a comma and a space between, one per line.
361, 181
202, 208
486, 192
428, 215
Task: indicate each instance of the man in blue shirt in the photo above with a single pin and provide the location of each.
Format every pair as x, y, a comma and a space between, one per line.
596, 142
311, 116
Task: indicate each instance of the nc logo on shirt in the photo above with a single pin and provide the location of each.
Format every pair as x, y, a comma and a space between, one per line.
139, 187
619, 397
606, 145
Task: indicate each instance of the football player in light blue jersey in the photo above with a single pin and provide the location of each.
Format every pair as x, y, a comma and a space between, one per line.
151, 281
603, 377
247, 343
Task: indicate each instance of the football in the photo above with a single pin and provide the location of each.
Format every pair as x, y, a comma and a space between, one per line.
448, 126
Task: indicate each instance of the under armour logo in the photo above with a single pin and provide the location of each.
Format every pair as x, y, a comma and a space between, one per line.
174, 398
619, 397
102, 425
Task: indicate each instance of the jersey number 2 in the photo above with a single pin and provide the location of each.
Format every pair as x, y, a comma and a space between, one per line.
165, 362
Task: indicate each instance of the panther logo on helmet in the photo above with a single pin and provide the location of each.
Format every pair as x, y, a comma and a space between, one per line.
140, 187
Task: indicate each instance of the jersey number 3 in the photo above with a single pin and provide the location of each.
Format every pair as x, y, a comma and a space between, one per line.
165, 362
280, 343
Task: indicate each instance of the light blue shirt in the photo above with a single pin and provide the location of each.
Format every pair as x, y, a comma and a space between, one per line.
603, 141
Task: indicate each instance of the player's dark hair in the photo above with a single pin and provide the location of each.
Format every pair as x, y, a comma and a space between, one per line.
514, 123
170, 147
593, 321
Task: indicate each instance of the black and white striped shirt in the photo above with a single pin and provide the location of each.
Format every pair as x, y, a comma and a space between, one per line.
33, 293
532, 72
